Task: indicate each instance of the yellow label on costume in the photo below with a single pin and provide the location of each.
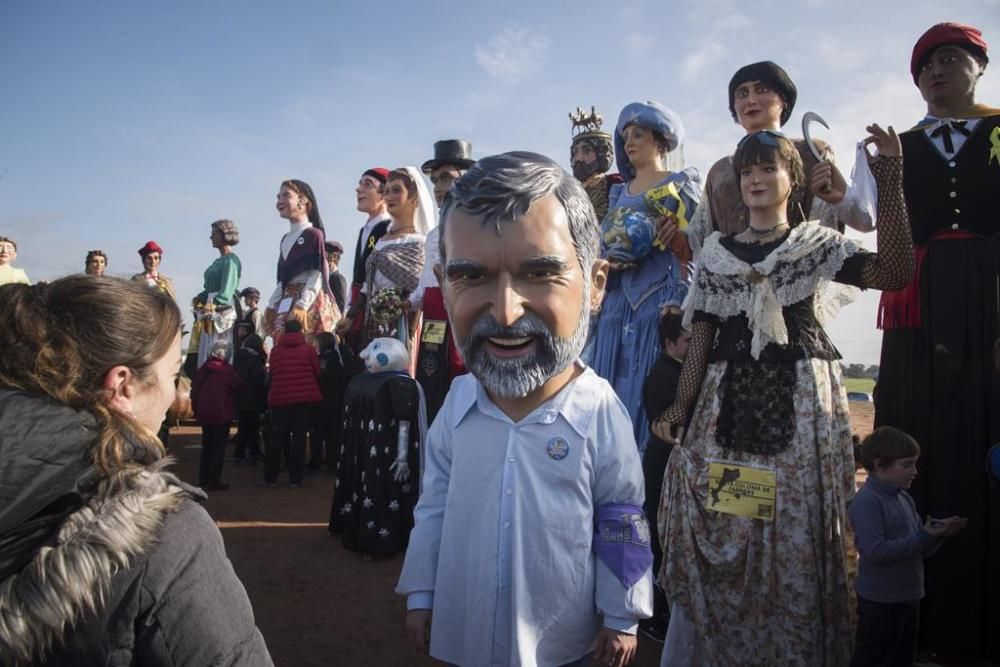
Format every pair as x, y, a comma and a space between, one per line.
994, 146
434, 331
657, 199
741, 490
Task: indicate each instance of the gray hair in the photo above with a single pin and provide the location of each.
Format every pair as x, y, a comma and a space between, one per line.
220, 350
501, 188
230, 232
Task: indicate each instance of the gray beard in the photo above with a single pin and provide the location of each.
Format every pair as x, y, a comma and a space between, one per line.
516, 378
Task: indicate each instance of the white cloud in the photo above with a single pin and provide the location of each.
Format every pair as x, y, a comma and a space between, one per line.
710, 53
514, 54
640, 43
732, 22
838, 56
721, 25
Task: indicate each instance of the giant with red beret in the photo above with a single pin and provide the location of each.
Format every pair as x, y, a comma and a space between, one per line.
947, 34
151, 246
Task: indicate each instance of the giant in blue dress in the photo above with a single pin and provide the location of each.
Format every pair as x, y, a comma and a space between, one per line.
624, 345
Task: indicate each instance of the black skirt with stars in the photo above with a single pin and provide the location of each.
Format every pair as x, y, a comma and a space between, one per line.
371, 511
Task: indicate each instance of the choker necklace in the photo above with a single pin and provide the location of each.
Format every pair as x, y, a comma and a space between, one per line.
764, 232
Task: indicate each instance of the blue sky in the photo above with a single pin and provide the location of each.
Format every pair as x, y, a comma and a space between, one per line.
130, 121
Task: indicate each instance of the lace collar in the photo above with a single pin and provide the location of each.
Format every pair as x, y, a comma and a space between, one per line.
800, 267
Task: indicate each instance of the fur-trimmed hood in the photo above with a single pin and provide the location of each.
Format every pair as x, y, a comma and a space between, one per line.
59, 560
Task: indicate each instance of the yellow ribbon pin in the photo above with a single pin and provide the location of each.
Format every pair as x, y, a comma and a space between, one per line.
995, 143
670, 189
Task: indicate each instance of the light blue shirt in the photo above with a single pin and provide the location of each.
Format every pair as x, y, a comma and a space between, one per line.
501, 551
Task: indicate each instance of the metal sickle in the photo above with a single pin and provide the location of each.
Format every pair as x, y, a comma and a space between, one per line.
807, 118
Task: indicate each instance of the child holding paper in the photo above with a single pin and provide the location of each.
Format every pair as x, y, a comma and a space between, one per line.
893, 545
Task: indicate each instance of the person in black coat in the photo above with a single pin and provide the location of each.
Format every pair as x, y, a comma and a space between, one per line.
338, 364
658, 394
251, 401
338, 283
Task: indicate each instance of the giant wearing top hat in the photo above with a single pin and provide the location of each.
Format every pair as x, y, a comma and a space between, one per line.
438, 360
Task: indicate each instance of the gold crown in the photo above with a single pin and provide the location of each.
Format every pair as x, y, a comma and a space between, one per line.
584, 123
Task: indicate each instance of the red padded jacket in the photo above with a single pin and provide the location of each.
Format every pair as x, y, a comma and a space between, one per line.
213, 392
294, 372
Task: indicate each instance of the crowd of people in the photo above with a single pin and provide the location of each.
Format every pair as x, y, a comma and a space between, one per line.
583, 405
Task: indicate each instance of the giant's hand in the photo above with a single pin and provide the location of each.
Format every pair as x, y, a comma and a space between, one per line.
418, 629
666, 228
668, 427
827, 183
615, 649
344, 325
886, 142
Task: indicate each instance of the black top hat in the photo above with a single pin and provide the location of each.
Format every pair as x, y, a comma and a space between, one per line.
450, 151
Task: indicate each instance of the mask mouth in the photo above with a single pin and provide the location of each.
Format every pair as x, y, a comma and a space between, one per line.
507, 348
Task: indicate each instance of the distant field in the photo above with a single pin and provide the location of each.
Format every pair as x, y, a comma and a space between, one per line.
860, 384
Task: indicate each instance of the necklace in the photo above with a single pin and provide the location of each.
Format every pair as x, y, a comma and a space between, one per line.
766, 232
399, 233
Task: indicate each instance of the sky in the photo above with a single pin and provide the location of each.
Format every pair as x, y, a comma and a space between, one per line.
130, 121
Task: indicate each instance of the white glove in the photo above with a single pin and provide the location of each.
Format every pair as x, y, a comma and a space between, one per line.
400, 470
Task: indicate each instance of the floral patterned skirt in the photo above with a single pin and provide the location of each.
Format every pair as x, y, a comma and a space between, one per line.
321, 316
766, 592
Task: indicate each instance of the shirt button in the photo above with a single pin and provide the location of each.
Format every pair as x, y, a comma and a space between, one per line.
506, 524
509, 492
954, 180
952, 194
954, 225
510, 459
951, 164
957, 212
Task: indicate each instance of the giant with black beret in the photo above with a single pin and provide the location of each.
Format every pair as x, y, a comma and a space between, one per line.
770, 74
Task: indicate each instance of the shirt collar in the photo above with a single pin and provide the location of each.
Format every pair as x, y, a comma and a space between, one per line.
883, 487
371, 222
931, 122
574, 403
298, 226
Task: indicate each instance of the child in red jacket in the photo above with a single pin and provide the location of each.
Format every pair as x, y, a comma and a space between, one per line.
213, 397
294, 391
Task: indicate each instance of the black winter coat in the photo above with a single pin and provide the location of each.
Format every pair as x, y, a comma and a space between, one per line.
170, 595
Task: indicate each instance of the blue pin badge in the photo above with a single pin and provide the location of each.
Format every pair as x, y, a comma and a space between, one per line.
557, 448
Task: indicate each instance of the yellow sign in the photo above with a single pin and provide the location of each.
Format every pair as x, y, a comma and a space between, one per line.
658, 199
994, 146
741, 490
434, 331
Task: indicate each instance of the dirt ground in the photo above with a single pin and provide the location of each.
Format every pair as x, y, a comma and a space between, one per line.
315, 602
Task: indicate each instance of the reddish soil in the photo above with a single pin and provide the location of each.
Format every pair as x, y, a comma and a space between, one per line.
315, 602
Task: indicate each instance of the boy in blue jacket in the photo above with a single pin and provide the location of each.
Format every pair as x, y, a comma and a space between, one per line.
892, 544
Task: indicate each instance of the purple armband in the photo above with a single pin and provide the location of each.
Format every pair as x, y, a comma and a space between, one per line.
621, 540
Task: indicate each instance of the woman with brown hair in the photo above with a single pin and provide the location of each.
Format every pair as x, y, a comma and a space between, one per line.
303, 290
753, 513
104, 555
393, 268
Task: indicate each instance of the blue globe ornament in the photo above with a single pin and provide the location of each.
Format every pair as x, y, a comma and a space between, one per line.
626, 235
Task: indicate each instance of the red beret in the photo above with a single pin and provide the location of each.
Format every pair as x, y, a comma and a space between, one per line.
956, 34
150, 247
380, 174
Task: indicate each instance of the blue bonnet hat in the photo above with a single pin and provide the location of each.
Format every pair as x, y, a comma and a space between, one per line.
651, 115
